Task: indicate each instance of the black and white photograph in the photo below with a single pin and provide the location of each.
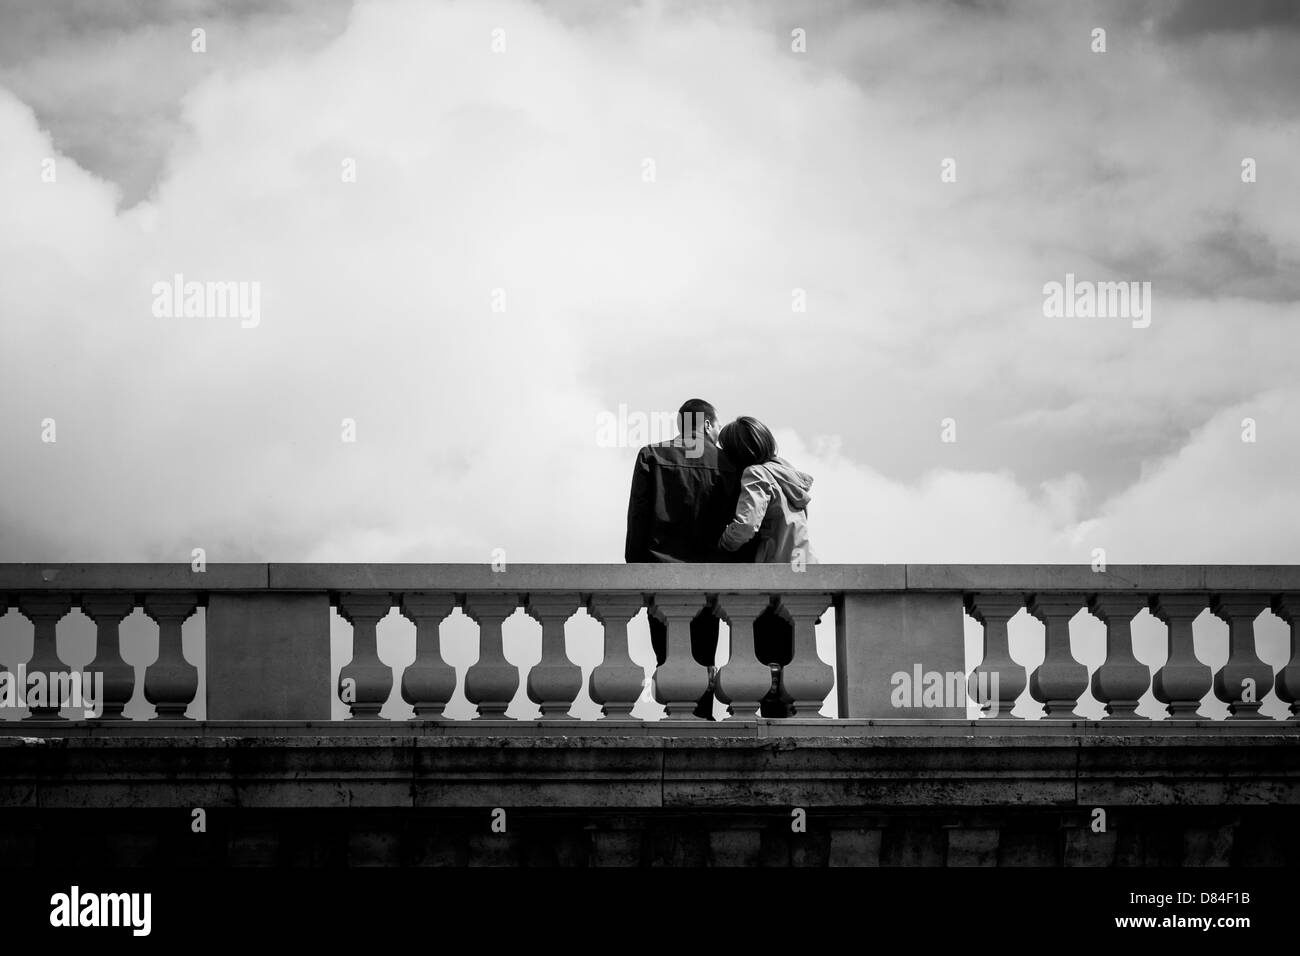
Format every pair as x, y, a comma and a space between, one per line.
468, 462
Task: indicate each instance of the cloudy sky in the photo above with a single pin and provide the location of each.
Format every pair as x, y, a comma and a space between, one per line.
524, 170
564, 208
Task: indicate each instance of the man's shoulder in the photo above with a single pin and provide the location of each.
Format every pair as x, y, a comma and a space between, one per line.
677, 453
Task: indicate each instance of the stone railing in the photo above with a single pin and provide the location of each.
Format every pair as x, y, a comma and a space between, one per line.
267, 635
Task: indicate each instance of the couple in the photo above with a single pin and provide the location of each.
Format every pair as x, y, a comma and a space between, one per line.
720, 495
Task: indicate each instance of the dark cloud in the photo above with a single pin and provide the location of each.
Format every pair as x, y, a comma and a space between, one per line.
1227, 259
31, 29
1192, 18
106, 77
1241, 263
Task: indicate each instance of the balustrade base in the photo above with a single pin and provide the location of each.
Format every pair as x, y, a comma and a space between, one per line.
246, 838
184, 728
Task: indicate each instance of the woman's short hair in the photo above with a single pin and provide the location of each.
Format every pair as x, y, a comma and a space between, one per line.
747, 441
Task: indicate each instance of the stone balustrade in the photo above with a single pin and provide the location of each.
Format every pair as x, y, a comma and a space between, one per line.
267, 636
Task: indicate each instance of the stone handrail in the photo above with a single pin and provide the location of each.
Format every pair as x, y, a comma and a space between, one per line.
268, 626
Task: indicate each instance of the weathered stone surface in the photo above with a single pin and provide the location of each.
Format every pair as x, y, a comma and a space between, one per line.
891, 771
1149, 578
616, 846
1208, 846
774, 848
647, 577
1156, 844
872, 767
131, 578
1083, 847
1252, 836
260, 847
561, 847
536, 772
878, 635
675, 846
735, 846
494, 849
854, 847
431, 844
374, 846
268, 656
811, 848
1256, 843
977, 846
1018, 847
1205, 768
915, 845
537, 578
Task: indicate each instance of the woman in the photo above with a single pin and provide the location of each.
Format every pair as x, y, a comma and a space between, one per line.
773, 498
773, 505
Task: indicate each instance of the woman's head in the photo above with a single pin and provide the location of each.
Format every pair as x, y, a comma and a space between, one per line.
747, 442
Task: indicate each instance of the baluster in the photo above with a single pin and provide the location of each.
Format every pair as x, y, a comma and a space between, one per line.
807, 679
1060, 679
554, 681
1243, 668
997, 683
1287, 607
171, 681
1183, 680
428, 681
370, 678
679, 682
616, 682
491, 682
744, 680
44, 611
108, 611
1122, 679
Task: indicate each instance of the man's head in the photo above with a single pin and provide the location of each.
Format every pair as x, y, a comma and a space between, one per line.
698, 421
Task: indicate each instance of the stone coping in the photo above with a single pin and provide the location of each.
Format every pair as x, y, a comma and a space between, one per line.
644, 578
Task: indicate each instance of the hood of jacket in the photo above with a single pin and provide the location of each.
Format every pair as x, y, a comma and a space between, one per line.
794, 483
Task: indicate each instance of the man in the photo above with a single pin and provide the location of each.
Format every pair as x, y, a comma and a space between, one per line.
683, 494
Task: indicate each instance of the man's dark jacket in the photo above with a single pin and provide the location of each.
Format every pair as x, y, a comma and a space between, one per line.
683, 495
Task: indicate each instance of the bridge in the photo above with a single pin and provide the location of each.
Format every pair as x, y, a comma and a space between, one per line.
293, 765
